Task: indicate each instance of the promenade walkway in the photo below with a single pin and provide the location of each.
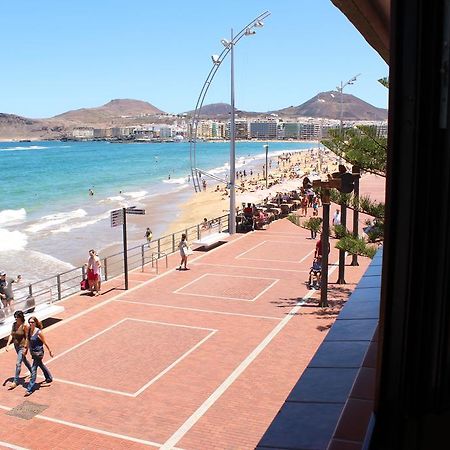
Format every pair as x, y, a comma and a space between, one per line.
198, 359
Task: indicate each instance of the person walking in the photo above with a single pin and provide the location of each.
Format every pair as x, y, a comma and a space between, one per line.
184, 251
148, 236
93, 272
337, 218
36, 343
19, 336
6, 291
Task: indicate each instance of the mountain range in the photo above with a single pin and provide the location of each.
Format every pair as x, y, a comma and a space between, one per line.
127, 112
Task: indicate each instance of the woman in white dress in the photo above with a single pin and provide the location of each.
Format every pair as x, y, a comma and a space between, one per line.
184, 251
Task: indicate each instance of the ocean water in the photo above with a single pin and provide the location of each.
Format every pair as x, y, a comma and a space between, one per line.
48, 219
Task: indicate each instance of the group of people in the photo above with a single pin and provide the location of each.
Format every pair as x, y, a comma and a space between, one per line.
28, 338
255, 218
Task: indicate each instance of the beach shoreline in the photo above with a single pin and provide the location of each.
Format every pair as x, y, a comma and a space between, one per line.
65, 233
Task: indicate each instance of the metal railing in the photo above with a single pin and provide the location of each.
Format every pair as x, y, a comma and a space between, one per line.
67, 283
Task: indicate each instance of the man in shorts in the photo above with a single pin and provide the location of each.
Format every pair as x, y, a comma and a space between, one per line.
93, 272
6, 292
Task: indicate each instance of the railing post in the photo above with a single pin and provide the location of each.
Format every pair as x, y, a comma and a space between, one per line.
198, 231
83, 272
173, 242
186, 232
220, 224
106, 269
159, 246
58, 285
142, 257
30, 290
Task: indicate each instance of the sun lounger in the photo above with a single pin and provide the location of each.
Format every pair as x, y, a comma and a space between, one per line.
211, 240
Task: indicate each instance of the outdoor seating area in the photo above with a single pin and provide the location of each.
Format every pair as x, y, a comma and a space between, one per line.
258, 216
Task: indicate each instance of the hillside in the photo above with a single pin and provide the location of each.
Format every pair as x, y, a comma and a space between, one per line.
13, 127
213, 110
328, 105
105, 114
126, 112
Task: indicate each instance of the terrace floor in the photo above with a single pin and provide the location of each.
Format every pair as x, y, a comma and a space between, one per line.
197, 359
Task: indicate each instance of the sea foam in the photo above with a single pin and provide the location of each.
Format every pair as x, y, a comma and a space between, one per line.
31, 147
12, 216
52, 220
136, 195
12, 240
81, 224
181, 180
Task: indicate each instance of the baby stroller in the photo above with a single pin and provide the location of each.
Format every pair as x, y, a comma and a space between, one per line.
315, 274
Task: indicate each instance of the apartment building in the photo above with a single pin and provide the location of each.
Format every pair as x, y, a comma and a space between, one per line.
263, 130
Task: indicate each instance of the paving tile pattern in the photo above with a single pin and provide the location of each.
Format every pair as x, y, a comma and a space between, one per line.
222, 394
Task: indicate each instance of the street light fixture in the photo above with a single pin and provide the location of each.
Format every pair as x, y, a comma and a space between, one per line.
341, 89
217, 61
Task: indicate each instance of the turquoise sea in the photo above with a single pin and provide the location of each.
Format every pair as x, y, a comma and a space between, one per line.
47, 218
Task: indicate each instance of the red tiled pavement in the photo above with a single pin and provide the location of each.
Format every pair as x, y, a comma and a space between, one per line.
198, 359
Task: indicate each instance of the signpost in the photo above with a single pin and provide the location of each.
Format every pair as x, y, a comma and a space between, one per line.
119, 217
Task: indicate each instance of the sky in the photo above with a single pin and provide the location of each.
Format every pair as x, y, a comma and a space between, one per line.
63, 55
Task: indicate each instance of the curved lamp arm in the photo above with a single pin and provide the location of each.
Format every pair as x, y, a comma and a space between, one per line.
255, 23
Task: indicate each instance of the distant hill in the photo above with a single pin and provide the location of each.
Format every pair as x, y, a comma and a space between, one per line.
119, 112
325, 104
221, 111
105, 115
126, 112
328, 105
13, 127
213, 110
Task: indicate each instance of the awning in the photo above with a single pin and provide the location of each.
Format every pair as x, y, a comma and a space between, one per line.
372, 19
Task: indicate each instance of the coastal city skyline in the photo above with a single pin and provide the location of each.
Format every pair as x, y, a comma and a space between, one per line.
85, 55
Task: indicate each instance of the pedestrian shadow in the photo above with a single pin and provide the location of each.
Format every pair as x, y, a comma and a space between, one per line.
22, 381
50, 321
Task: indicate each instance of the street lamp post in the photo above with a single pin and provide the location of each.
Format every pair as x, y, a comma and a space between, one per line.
340, 90
232, 183
195, 120
232, 222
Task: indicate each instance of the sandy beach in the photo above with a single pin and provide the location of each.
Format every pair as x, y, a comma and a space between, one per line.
175, 212
287, 175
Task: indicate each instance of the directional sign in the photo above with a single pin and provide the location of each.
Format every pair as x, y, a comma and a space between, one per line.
116, 218
136, 211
